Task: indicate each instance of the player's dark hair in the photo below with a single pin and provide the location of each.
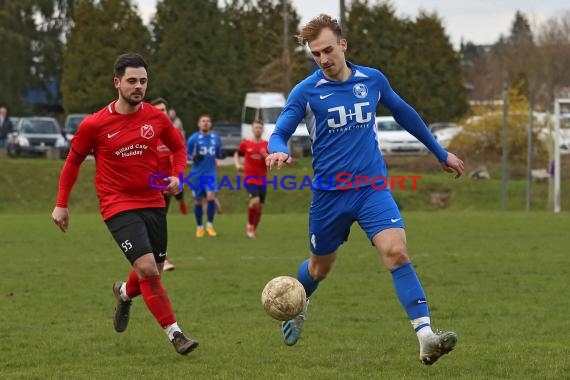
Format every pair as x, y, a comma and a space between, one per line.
205, 115
314, 27
158, 101
258, 121
128, 60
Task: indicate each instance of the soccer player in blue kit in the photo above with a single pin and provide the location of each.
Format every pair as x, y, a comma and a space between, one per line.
338, 103
203, 148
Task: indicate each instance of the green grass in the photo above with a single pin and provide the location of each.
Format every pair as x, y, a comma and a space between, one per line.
498, 279
28, 185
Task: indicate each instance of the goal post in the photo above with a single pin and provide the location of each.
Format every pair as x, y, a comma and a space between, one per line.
557, 105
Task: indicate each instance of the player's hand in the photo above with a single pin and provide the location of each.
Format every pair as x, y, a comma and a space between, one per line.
453, 164
60, 216
173, 187
278, 158
197, 158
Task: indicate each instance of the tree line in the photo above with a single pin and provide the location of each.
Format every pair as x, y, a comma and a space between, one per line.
204, 58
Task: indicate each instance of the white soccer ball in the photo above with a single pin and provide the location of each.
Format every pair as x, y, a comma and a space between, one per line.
283, 298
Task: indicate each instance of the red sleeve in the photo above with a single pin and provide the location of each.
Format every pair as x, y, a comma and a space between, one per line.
82, 143
84, 139
67, 178
241, 148
172, 138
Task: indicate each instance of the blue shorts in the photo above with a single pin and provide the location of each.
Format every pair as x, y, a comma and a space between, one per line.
203, 184
332, 213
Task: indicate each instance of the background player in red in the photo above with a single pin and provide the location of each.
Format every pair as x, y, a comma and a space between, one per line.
255, 151
165, 159
123, 137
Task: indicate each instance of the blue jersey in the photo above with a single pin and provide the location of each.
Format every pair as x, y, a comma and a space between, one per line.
340, 118
203, 151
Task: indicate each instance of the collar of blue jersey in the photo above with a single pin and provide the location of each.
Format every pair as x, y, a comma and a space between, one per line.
350, 65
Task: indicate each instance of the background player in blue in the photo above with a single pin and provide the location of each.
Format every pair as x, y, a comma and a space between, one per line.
203, 148
339, 104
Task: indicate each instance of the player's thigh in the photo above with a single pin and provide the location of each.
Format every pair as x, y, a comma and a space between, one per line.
198, 191
256, 194
329, 222
377, 211
262, 194
130, 232
156, 224
211, 195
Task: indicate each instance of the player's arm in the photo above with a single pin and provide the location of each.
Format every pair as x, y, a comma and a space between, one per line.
237, 161
219, 151
285, 126
82, 143
191, 151
173, 140
408, 118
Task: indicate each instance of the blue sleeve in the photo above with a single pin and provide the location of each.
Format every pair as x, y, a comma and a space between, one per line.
408, 118
190, 147
292, 114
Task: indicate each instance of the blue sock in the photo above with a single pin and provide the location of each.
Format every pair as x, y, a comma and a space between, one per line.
410, 292
211, 211
198, 212
305, 278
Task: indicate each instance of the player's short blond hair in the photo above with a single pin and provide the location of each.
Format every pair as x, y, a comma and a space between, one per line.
314, 27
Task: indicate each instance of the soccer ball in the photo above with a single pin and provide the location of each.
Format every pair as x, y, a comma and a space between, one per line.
283, 298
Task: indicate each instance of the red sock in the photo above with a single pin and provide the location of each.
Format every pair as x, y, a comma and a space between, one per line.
251, 215
133, 287
257, 217
157, 301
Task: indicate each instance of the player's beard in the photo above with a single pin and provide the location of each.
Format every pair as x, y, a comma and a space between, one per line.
130, 100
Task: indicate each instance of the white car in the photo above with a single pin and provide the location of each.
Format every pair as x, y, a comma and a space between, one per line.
444, 132
395, 140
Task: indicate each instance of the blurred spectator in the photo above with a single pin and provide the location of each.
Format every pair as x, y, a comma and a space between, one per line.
176, 121
5, 126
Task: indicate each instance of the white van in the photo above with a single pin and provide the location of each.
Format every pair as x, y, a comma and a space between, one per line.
266, 106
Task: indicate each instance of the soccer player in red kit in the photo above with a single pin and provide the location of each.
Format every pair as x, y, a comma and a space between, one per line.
123, 137
255, 151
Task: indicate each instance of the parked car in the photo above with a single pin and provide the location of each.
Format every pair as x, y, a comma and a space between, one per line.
14, 120
71, 124
230, 134
395, 140
33, 136
444, 132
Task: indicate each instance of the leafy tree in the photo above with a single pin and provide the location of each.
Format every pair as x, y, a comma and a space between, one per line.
102, 30
429, 79
259, 27
376, 38
481, 138
16, 32
197, 73
433, 77
31, 36
554, 55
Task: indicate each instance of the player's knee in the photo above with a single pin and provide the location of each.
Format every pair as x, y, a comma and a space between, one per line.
396, 255
319, 273
146, 269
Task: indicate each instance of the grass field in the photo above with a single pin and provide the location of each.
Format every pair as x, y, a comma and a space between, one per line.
28, 185
499, 279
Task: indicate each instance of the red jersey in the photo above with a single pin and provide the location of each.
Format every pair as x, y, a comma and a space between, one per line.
126, 154
254, 165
